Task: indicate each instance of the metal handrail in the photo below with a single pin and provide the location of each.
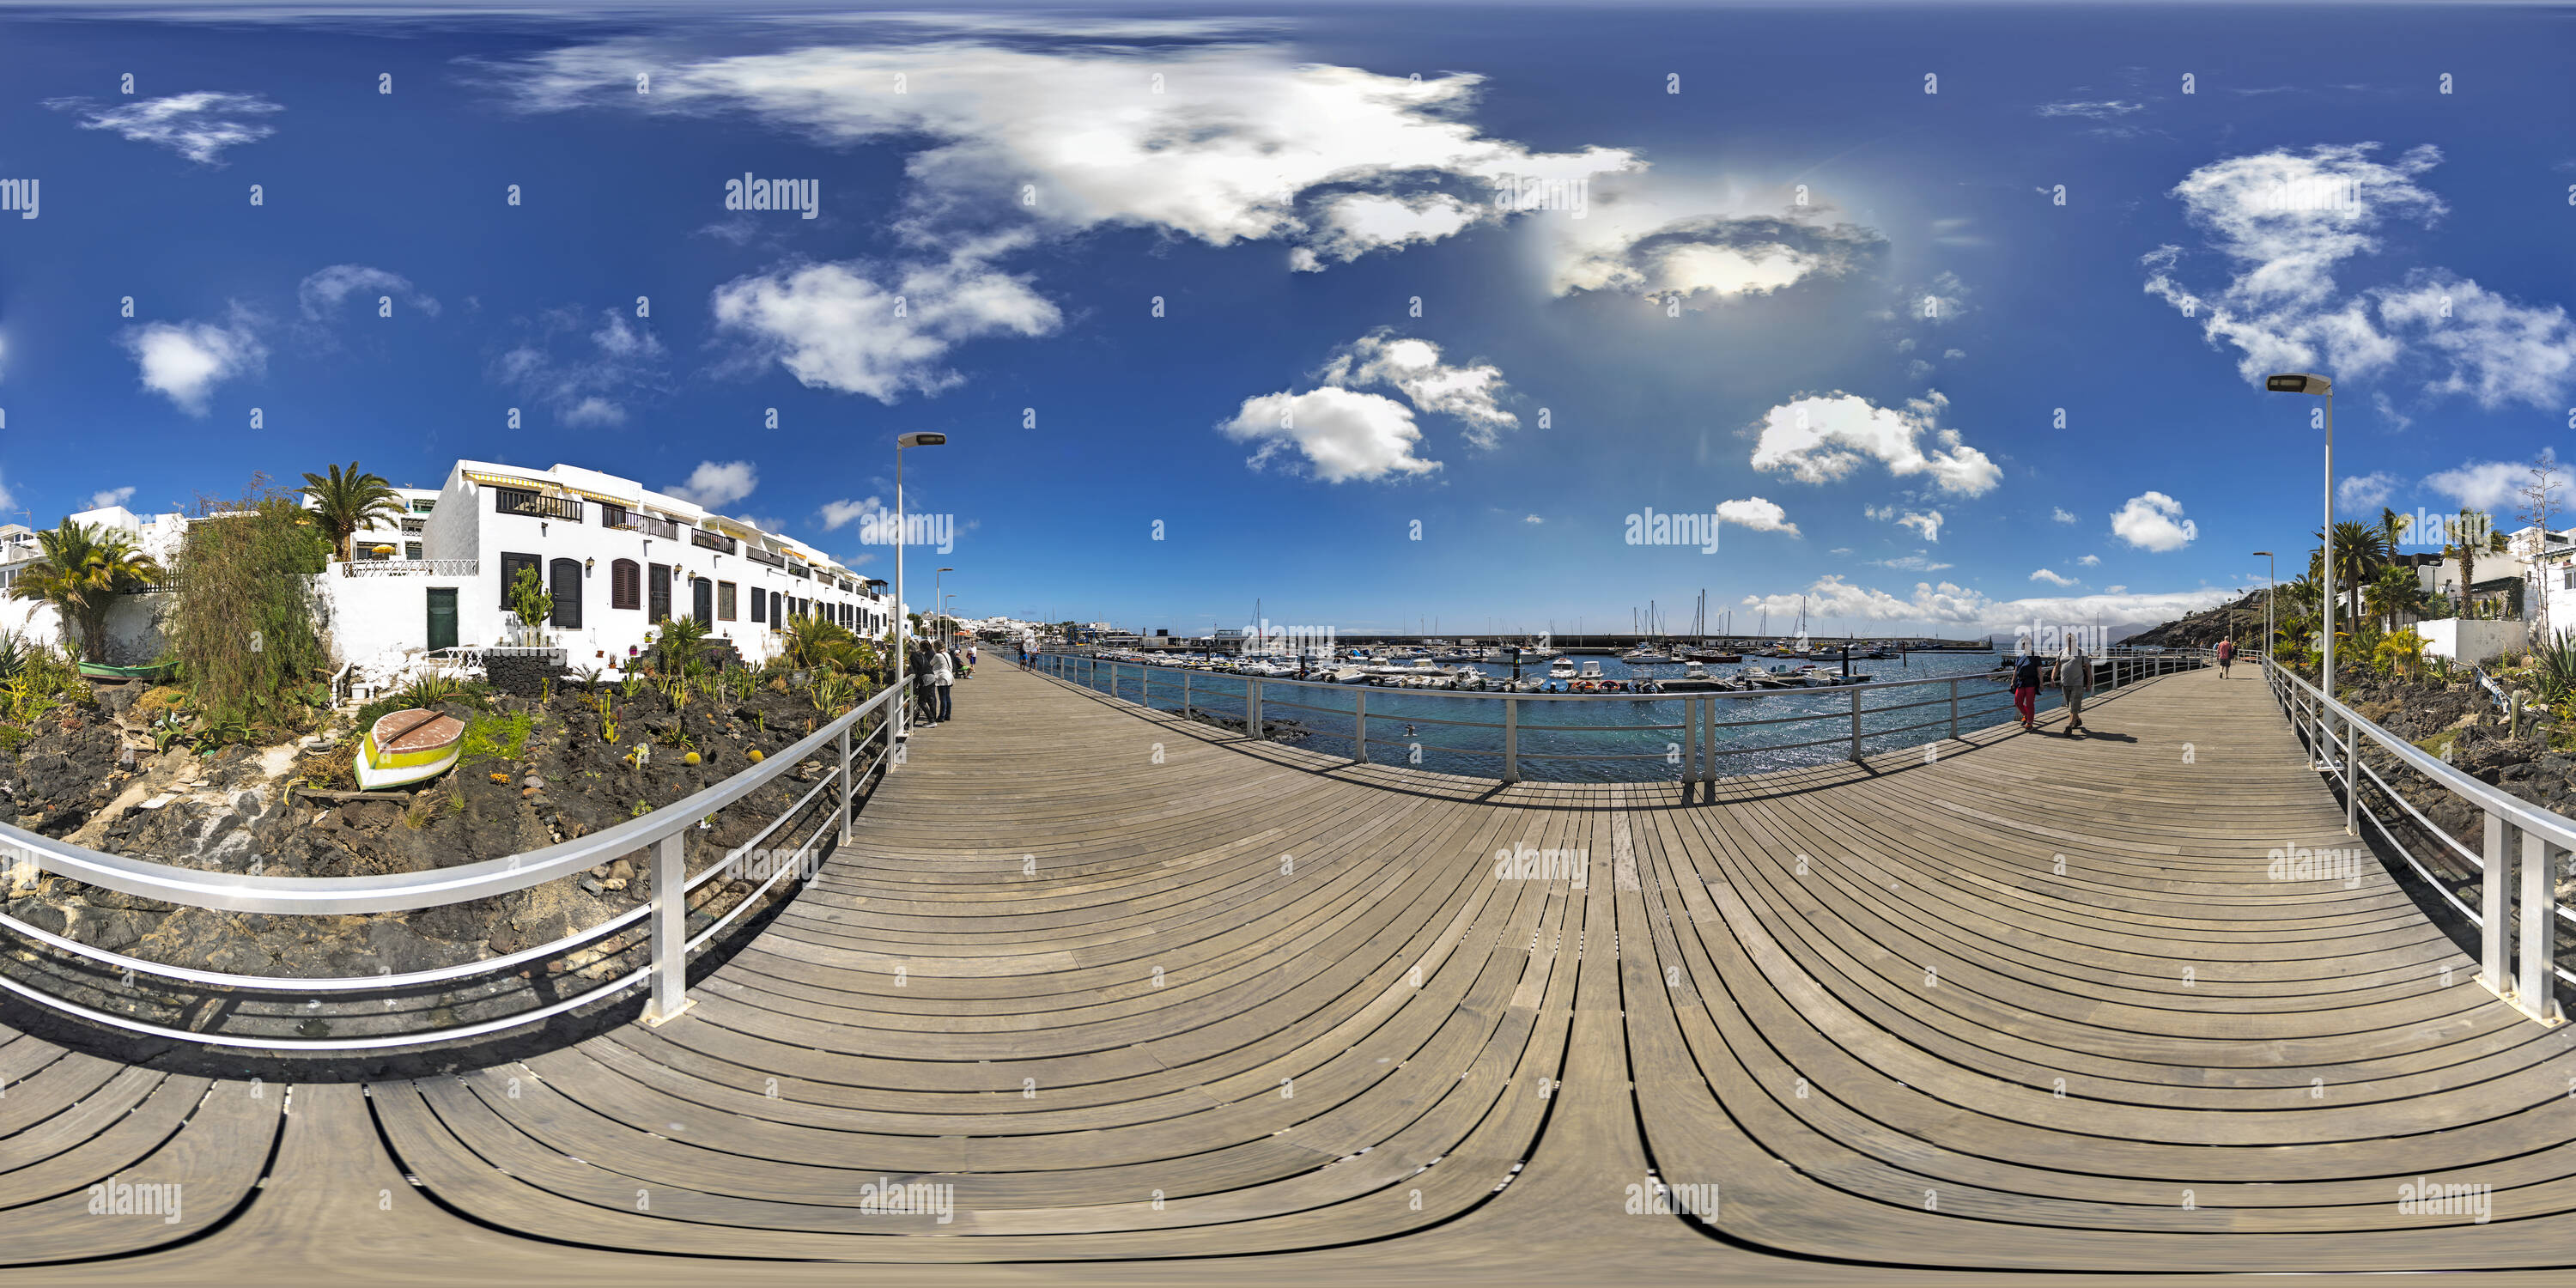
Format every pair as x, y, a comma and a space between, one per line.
661, 831
2532, 865
1698, 752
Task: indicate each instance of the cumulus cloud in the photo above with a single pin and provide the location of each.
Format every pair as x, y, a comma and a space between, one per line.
1919, 561
198, 126
716, 484
2153, 521
2089, 561
2060, 514
2287, 222
2107, 110
1925, 523
882, 333
1820, 439
112, 496
323, 291
2365, 489
2483, 485
1643, 248
1831, 599
841, 514
1343, 434
1414, 368
1244, 142
583, 373
184, 361
2051, 578
1755, 513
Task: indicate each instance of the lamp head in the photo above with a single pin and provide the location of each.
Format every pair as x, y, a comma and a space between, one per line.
2298, 383
2265, 553
920, 438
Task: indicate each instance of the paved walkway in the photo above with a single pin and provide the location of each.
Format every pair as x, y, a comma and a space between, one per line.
1096, 986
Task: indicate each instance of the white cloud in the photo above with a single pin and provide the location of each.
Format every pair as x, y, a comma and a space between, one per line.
112, 496
585, 387
2060, 514
324, 290
834, 326
1919, 561
1755, 513
2286, 222
2365, 489
1953, 355
1342, 433
1822, 439
1831, 600
2051, 578
1638, 241
2089, 561
1413, 368
840, 514
2153, 521
2102, 111
1247, 143
8, 501
198, 126
184, 361
2483, 485
2388, 411
717, 484
1532, 519
1925, 523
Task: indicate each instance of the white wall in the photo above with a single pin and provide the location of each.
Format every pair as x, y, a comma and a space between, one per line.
136, 625
2469, 639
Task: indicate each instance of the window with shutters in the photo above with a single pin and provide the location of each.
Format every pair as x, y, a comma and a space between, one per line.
759, 604
724, 601
626, 584
510, 566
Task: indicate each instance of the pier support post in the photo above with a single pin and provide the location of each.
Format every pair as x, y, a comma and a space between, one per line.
2535, 993
670, 934
1708, 740
1511, 739
1185, 693
848, 768
2538, 993
1359, 724
1252, 708
1690, 740
1954, 708
1855, 750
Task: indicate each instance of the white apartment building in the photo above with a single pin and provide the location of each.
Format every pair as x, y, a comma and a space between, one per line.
616, 556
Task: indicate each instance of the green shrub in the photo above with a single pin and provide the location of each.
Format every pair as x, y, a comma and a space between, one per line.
491, 736
245, 627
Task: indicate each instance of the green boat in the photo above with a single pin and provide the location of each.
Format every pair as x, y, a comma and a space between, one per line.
148, 671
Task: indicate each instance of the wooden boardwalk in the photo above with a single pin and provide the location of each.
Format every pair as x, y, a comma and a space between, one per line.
1096, 986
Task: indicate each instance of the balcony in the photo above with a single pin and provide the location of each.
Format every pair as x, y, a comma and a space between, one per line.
412, 568
799, 571
625, 520
705, 540
535, 505
761, 556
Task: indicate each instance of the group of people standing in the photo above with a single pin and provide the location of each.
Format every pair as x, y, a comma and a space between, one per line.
2073, 675
936, 669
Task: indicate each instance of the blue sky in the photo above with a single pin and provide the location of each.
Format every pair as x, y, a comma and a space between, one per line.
1718, 308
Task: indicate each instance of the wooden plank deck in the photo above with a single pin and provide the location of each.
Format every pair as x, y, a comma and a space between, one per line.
1131, 988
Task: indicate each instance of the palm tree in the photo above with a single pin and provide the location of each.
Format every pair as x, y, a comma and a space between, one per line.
345, 503
2395, 590
2360, 550
80, 570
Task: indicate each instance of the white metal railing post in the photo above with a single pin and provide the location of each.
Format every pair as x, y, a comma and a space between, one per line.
1855, 739
1252, 708
2351, 777
670, 934
1708, 739
1145, 687
2491, 966
848, 767
1359, 725
2539, 914
1185, 692
1690, 739
1511, 739
1954, 708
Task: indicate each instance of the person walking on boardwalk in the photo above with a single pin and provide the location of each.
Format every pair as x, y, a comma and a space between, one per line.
2226, 654
943, 677
2025, 686
2074, 681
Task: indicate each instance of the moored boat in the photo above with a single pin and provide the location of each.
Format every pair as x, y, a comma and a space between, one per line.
147, 671
407, 746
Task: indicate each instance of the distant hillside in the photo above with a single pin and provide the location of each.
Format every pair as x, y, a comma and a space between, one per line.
2242, 619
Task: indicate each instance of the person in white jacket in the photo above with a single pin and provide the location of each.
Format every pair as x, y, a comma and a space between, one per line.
943, 677
2075, 682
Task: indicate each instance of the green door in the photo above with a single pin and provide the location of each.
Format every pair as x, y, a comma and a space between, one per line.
442, 617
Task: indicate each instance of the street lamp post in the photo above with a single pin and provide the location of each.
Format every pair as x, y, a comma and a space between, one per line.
2320, 386
939, 607
2270, 594
903, 627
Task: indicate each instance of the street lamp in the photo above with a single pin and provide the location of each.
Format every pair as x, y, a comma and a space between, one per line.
2321, 387
939, 605
2274, 576
903, 705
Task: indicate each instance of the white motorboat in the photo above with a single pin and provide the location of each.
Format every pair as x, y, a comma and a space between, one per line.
1591, 671
1647, 657
1350, 675
1563, 668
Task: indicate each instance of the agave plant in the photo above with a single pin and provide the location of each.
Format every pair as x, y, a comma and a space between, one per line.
2553, 665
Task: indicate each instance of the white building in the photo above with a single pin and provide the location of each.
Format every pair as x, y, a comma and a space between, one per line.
617, 557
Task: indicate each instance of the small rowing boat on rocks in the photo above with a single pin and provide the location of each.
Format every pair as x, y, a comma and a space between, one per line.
408, 746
